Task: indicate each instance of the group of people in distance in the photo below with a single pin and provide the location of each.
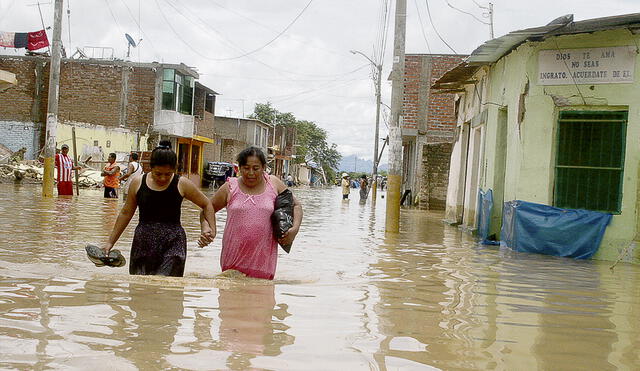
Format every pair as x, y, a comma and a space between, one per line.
159, 244
111, 173
346, 187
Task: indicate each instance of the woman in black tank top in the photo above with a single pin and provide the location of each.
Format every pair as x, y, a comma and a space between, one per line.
159, 243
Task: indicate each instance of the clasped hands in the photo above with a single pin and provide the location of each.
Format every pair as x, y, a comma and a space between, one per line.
207, 235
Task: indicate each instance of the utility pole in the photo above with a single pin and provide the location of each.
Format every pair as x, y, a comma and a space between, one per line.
378, 82
392, 221
491, 20
374, 193
52, 103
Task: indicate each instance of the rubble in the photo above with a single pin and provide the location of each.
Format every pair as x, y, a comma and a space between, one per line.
31, 172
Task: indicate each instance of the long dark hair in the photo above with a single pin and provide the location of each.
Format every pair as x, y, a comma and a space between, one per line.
251, 151
164, 155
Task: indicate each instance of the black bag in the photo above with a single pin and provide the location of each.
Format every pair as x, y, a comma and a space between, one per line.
282, 217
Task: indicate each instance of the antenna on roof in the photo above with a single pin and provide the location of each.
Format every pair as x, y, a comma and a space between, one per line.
130, 43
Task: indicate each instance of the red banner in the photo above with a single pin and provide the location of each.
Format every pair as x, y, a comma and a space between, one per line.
37, 40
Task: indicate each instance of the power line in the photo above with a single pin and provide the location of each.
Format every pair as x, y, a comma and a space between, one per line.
293, 37
465, 12
275, 38
422, 26
223, 39
435, 29
244, 54
113, 16
137, 22
296, 94
288, 80
479, 6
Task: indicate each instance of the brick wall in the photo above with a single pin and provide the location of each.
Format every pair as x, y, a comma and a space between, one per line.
435, 175
428, 117
441, 122
423, 108
410, 99
17, 101
204, 123
89, 93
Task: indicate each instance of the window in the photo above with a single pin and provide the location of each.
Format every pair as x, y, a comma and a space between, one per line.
590, 160
186, 98
168, 89
209, 103
177, 91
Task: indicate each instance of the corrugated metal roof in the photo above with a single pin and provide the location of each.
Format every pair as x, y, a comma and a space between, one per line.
456, 77
206, 88
492, 50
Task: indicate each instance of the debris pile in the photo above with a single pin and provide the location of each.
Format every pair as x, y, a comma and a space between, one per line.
31, 172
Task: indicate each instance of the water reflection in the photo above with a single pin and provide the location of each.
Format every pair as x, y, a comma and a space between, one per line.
246, 329
347, 297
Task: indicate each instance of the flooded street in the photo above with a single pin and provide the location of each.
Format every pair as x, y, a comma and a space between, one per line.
346, 298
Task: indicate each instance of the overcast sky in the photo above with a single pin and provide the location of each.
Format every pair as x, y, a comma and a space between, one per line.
308, 69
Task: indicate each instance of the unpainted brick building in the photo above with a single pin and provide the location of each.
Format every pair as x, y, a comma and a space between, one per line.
119, 106
428, 129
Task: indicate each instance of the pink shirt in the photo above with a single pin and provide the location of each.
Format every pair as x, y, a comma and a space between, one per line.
248, 242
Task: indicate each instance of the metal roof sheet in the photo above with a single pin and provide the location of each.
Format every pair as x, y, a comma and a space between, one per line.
492, 50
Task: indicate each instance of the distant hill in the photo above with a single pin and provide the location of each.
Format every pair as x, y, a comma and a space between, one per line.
355, 164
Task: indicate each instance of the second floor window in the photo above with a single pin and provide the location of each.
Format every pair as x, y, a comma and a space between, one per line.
177, 91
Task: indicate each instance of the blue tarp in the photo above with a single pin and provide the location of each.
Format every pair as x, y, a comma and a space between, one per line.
542, 229
485, 206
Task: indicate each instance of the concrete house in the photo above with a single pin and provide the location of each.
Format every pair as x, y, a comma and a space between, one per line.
115, 106
428, 127
233, 134
551, 115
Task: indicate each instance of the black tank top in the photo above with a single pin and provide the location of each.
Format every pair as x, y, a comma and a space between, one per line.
159, 206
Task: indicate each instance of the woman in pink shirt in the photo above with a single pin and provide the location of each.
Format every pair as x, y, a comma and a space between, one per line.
248, 243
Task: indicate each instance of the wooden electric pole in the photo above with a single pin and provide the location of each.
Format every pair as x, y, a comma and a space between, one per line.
392, 221
52, 103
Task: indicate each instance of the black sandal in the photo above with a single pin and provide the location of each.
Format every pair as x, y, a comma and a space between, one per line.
100, 259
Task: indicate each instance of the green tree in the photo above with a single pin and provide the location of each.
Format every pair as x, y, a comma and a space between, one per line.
311, 140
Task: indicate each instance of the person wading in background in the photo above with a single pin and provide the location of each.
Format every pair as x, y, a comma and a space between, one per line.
364, 188
64, 166
346, 186
133, 169
110, 174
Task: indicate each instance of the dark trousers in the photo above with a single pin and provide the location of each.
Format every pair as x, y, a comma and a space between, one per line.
110, 192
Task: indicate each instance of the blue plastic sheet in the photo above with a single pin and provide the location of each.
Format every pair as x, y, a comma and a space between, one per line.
542, 229
485, 206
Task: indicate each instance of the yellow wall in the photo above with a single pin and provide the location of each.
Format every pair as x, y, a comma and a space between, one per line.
531, 143
121, 140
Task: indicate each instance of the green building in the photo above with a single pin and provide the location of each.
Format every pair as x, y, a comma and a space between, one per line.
551, 115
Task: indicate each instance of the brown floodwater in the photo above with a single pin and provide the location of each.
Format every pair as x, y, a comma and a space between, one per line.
346, 298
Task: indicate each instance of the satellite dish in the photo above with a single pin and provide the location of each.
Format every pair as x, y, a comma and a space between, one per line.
130, 43
130, 40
